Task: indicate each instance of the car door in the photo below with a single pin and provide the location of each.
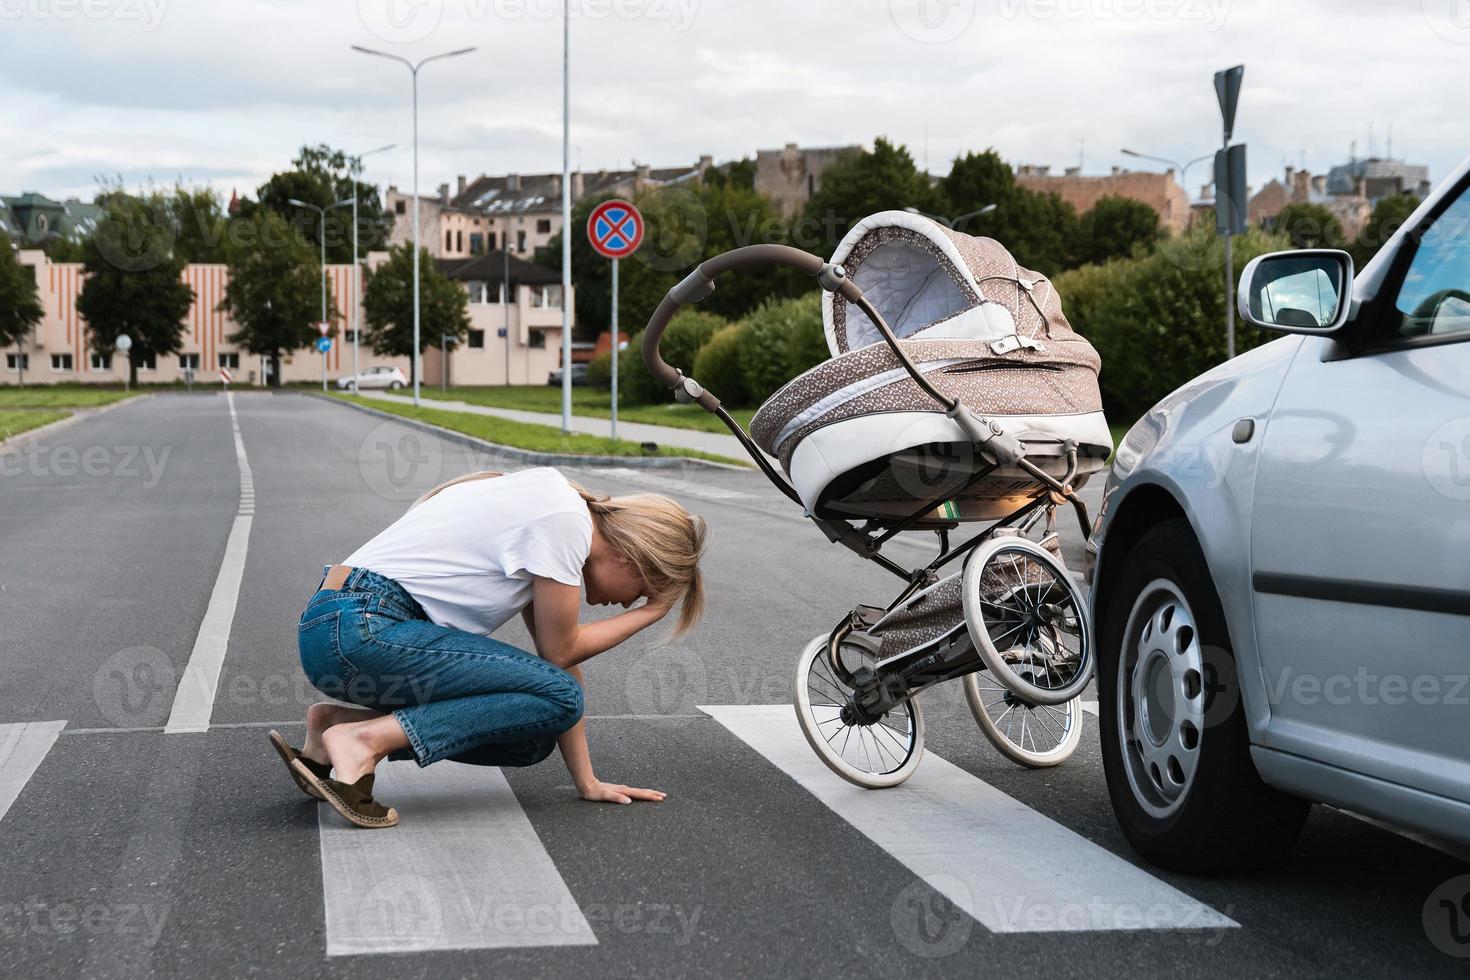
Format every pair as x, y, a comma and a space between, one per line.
1360, 535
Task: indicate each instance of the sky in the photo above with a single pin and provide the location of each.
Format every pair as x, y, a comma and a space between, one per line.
223, 92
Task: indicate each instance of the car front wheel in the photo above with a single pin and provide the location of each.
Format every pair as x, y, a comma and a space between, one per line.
1175, 745
396, 385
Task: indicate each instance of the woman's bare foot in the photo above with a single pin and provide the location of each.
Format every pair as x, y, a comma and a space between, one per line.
325, 714
355, 748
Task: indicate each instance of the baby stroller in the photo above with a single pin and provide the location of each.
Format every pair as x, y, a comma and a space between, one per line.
957, 393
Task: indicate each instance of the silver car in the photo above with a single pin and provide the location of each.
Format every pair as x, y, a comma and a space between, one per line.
1281, 567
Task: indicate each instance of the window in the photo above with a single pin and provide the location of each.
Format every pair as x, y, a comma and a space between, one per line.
61, 362
546, 297
188, 362
543, 226
537, 339
491, 239
145, 362
399, 207
459, 241
448, 241
18, 362
101, 362
1434, 298
477, 243
520, 241
476, 340
231, 361
478, 289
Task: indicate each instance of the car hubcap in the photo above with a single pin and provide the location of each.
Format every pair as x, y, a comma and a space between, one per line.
1160, 698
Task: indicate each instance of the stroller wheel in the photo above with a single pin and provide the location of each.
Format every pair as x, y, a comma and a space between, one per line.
1028, 621
1032, 735
877, 755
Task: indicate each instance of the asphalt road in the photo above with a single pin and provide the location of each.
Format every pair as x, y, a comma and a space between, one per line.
131, 852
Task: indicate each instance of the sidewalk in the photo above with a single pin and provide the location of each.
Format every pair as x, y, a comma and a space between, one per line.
708, 442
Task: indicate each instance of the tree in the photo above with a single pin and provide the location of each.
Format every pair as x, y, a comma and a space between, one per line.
1115, 228
321, 175
387, 304
1040, 230
20, 306
1310, 226
685, 336
781, 339
134, 282
1387, 218
274, 289
859, 184
199, 222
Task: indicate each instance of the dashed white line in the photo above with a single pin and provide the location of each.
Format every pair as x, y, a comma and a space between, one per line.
194, 698
22, 747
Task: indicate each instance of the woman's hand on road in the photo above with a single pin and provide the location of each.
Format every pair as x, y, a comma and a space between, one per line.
600, 792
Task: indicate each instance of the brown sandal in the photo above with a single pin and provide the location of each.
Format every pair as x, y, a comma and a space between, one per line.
353, 800
289, 755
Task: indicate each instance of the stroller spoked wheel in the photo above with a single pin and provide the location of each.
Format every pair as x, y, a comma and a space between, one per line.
873, 753
1023, 610
1032, 735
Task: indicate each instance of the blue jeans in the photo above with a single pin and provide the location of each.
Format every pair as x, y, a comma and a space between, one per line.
457, 695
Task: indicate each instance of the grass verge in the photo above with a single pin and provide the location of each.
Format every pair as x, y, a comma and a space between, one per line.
61, 396
524, 435
591, 402
15, 421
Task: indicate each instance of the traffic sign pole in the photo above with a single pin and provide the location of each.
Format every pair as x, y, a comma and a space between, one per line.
614, 432
1230, 181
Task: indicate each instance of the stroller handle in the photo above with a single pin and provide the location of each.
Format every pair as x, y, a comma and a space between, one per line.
701, 282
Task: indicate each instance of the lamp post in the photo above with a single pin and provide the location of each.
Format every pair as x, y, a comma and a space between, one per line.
566, 217
322, 237
955, 224
356, 171
413, 70
1183, 170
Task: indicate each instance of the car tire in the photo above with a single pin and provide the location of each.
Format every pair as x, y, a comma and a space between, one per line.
396, 385
1167, 691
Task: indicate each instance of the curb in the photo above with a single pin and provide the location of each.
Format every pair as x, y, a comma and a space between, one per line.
536, 458
77, 414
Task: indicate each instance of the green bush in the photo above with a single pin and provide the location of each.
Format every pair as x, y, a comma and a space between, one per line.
782, 338
686, 334
718, 366
599, 371
1159, 320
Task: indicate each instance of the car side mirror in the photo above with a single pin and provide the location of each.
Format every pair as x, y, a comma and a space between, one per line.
1307, 291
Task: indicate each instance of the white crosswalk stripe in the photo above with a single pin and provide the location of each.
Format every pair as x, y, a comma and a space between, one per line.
1009, 867
464, 869
22, 748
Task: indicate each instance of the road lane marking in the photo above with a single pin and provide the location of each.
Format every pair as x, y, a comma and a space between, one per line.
1011, 868
194, 698
464, 869
1090, 707
22, 747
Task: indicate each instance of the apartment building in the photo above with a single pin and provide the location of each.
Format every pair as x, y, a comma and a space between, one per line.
1160, 191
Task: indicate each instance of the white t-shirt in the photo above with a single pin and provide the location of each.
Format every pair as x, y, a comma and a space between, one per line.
468, 553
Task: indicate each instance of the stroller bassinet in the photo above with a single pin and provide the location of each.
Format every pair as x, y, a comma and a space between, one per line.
858, 436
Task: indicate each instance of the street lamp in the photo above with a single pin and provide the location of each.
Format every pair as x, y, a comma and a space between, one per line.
1183, 170
413, 70
954, 225
356, 170
322, 237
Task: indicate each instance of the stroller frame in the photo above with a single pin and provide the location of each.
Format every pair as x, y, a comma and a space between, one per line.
898, 678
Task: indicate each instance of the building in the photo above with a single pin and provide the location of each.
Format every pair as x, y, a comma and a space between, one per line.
521, 211
1380, 178
1160, 191
791, 175
58, 349
32, 219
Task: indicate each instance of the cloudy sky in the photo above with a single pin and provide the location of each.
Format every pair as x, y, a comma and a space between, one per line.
224, 91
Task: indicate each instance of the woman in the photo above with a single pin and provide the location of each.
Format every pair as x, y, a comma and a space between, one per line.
401, 629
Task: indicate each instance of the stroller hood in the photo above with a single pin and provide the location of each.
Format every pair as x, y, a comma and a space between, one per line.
933, 283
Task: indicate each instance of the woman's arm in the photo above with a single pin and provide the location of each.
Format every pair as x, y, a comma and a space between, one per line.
573, 746
562, 640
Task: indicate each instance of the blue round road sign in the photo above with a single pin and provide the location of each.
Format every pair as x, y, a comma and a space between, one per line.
324, 344
615, 229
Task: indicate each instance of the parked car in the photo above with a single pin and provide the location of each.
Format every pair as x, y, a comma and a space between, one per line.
375, 377
579, 376
1280, 569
